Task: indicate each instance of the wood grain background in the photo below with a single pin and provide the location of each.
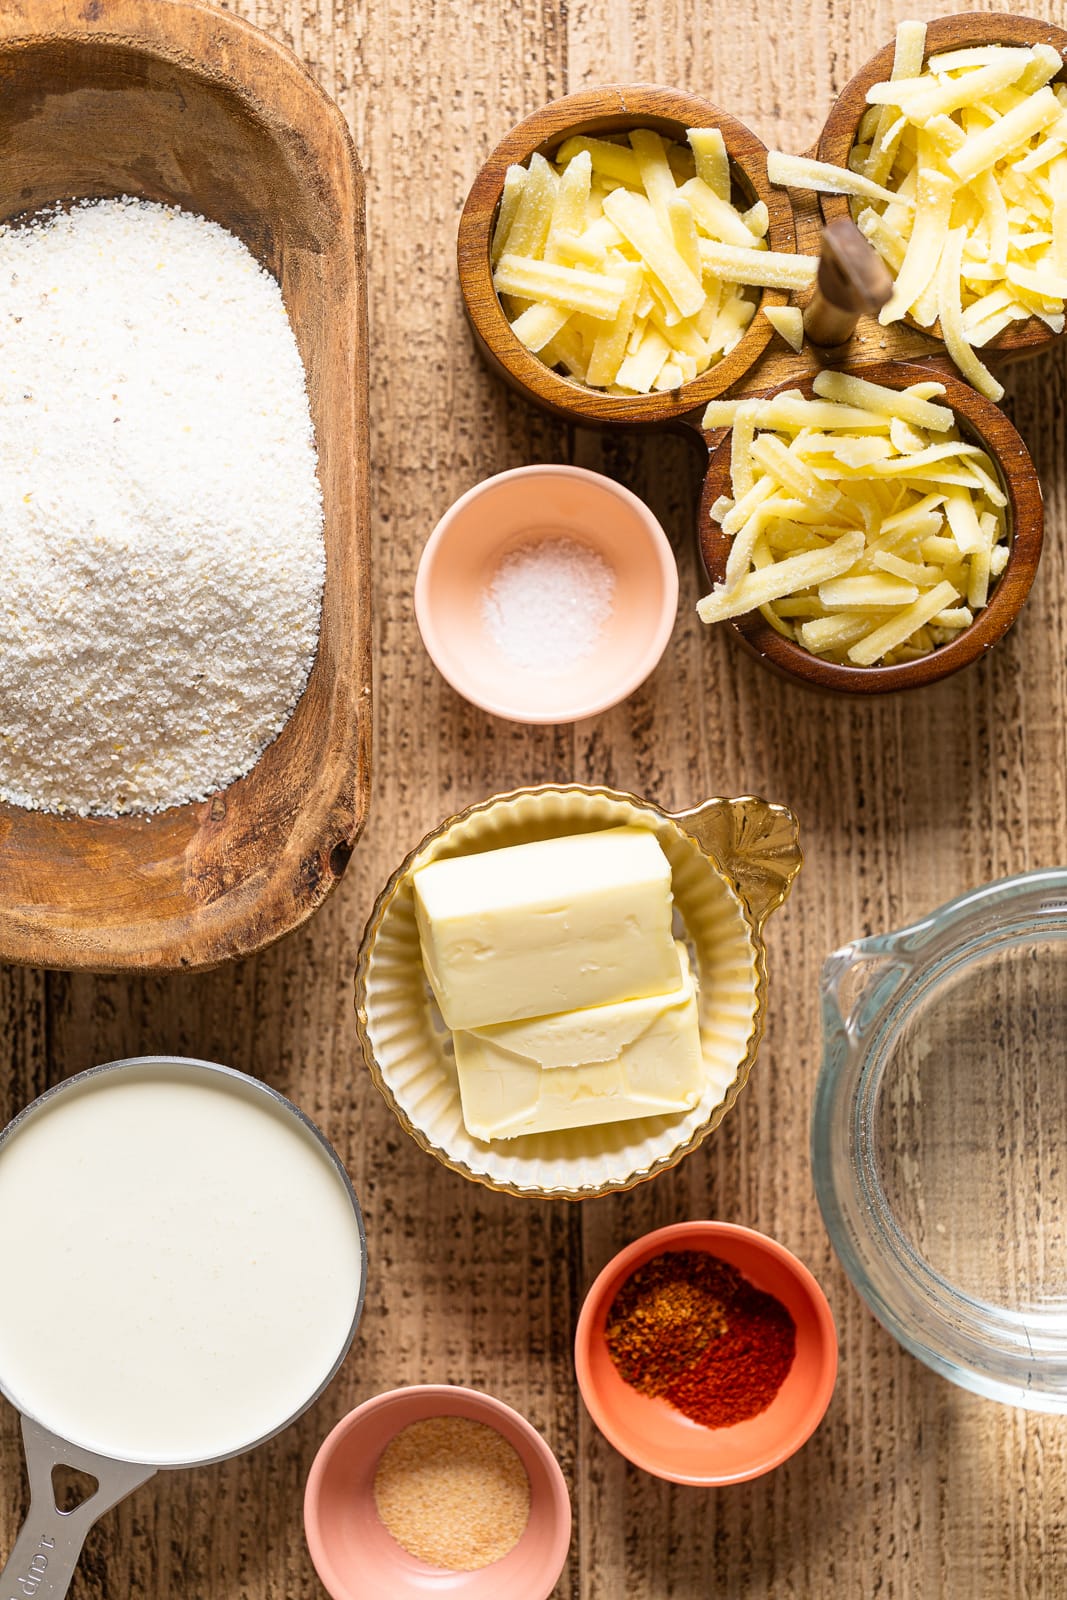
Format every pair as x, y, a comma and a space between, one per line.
911, 1488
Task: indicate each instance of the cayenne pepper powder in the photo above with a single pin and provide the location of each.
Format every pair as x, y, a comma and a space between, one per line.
688, 1328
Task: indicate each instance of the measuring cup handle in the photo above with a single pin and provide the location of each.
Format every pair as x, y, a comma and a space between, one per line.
41, 1565
860, 980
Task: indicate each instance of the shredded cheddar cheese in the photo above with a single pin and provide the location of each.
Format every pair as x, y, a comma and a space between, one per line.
862, 525
959, 180
628, 265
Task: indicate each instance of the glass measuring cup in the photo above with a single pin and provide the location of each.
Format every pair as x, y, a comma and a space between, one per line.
939, 1129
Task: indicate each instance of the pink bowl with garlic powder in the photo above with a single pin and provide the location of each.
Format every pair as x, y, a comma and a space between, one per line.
482, 535
358, 1559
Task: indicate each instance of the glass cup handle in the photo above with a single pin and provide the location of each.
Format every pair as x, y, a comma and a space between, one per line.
45, 1554
858, 981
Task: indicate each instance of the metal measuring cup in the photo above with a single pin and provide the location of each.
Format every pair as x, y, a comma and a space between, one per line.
42, 1561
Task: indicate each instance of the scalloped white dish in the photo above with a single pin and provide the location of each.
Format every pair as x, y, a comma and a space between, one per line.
408, 1049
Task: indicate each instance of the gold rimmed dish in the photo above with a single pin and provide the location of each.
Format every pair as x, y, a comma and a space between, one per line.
733, 863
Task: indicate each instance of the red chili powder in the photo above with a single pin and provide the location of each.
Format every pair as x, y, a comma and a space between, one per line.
689, 1329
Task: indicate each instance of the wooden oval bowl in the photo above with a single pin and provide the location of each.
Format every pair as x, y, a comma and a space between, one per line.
610, 110
968, 28
181, 103
988, 426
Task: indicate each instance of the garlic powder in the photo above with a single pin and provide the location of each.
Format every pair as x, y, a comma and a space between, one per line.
161, 550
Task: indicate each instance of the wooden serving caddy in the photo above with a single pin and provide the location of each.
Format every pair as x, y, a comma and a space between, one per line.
762, 363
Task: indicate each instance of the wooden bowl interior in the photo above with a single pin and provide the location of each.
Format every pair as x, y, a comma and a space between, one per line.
982, 422
945, 33
603, 112
82, 117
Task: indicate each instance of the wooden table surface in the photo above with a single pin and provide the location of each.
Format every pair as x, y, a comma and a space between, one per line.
911, 1487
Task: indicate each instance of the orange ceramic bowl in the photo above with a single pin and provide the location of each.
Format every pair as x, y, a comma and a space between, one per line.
355, 1556
651, 1433
524, 507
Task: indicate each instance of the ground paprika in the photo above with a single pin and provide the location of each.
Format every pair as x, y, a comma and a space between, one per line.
688, 1328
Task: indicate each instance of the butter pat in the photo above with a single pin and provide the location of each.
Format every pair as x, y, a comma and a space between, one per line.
637, 1058
556, 925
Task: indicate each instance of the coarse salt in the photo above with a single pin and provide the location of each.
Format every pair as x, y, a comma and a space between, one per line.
161, 550
547, 603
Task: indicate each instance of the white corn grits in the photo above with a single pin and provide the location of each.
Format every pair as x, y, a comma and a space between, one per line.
161, 550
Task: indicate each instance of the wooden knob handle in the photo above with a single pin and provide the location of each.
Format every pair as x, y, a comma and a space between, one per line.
853, 281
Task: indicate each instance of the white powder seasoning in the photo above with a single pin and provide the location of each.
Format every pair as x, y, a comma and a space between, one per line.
547, 603
161, 551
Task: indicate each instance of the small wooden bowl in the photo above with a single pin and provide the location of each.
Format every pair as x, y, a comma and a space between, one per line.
967, 29
988, 427
181, 103
611, 110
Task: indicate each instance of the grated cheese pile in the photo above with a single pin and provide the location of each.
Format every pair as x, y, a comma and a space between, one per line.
627, 265
959, 180
863, 526
161, 551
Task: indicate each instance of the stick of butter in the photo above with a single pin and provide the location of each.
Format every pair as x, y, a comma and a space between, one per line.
556, 925
638, 1058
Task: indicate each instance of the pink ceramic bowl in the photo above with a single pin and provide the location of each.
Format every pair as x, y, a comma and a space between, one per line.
651, 1433
517, 509
357, 1559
